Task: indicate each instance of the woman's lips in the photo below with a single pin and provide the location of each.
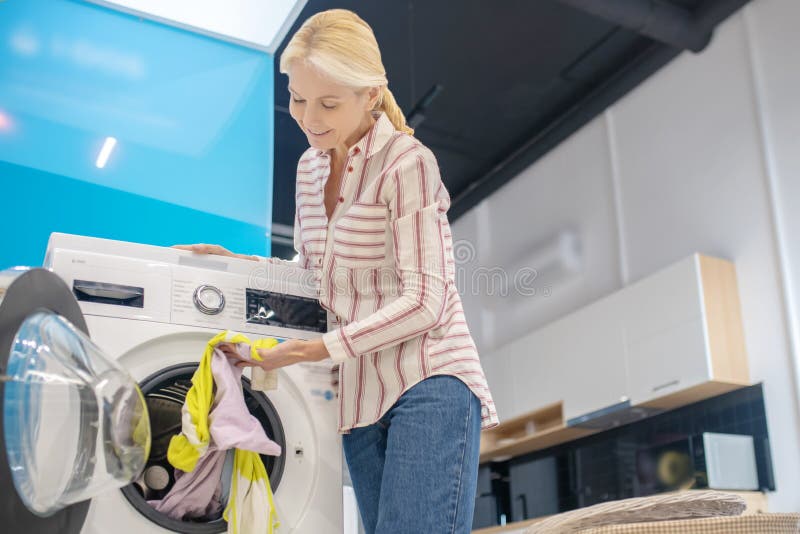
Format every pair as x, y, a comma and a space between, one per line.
315, 134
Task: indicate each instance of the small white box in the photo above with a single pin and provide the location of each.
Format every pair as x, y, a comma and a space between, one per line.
730, 461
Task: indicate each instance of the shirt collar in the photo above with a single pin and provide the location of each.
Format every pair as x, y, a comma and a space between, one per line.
374, 140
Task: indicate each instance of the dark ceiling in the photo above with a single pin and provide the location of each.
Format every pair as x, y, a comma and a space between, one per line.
510, 79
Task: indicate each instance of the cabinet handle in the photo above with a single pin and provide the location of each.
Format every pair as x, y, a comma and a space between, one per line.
524, 500
666, 385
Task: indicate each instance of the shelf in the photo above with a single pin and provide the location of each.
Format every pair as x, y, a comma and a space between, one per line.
530, 432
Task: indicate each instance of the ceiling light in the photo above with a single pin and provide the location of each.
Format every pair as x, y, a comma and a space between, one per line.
253, 23
108, 146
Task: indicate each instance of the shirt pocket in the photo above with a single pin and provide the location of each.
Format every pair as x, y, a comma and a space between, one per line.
359, 237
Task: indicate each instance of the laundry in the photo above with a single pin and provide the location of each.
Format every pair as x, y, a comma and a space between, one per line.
250, 496
196, 495
214, 420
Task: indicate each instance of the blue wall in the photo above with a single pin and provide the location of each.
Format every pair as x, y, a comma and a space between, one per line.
192, 115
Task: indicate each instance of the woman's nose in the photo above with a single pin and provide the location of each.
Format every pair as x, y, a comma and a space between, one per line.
309, 115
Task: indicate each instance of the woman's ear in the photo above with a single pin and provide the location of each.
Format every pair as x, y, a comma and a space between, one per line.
373, 97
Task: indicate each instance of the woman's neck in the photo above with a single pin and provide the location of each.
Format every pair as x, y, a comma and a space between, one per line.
339, 153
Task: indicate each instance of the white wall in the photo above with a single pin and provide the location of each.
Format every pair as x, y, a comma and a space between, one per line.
701, 157
560, 193
773, 31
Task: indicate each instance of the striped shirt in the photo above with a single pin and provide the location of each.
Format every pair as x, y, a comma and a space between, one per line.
386, 274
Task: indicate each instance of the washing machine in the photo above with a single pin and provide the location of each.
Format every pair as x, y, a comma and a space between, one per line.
73, 423
153, 309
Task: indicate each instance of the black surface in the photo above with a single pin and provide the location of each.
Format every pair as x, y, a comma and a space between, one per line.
661, 20
534, 488
289, 311
105, 293
603, 467
35, 290
516, 77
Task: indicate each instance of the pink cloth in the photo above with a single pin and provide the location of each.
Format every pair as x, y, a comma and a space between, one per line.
231, 423
196, 495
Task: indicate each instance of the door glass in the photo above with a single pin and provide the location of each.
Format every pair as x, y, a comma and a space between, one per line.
75, 422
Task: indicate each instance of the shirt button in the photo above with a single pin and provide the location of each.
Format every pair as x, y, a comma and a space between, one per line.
319, 261
341, 199
349, 169
356, 150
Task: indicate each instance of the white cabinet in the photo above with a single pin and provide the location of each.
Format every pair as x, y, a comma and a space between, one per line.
669, 339
666, 361
684, 337
664, 332
561, 363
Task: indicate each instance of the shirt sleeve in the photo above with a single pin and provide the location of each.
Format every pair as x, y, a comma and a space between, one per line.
418, 203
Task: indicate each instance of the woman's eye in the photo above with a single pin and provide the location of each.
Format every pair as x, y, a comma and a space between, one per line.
297, 101
329, 107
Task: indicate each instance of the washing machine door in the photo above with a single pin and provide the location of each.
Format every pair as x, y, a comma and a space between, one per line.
74, 423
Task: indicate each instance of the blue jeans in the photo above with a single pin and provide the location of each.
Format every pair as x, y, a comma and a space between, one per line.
416, 470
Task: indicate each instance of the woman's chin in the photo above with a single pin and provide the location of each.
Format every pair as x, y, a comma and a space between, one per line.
319, 144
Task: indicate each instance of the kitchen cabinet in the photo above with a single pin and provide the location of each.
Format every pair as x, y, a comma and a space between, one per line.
561, 363
668, 340
688, 341
534, 488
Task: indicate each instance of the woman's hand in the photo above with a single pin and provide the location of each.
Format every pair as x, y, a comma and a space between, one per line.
289, 352
202, 248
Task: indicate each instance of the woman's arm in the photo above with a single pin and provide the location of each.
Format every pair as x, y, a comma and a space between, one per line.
418, 202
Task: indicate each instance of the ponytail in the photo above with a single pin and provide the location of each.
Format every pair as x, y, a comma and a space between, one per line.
388, 105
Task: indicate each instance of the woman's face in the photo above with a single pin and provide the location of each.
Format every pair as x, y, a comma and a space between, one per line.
331, 115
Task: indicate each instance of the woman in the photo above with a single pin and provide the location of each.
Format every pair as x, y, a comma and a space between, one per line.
371, 222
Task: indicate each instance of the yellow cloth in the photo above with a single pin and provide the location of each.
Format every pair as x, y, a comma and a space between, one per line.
250, 491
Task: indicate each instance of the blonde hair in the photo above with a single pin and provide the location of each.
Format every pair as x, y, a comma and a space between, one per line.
342, 46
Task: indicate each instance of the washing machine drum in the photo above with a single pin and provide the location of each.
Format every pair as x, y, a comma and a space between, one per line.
74, 423
165, 392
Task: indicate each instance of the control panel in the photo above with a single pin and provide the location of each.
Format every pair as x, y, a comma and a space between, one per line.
142, 282
287, 311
